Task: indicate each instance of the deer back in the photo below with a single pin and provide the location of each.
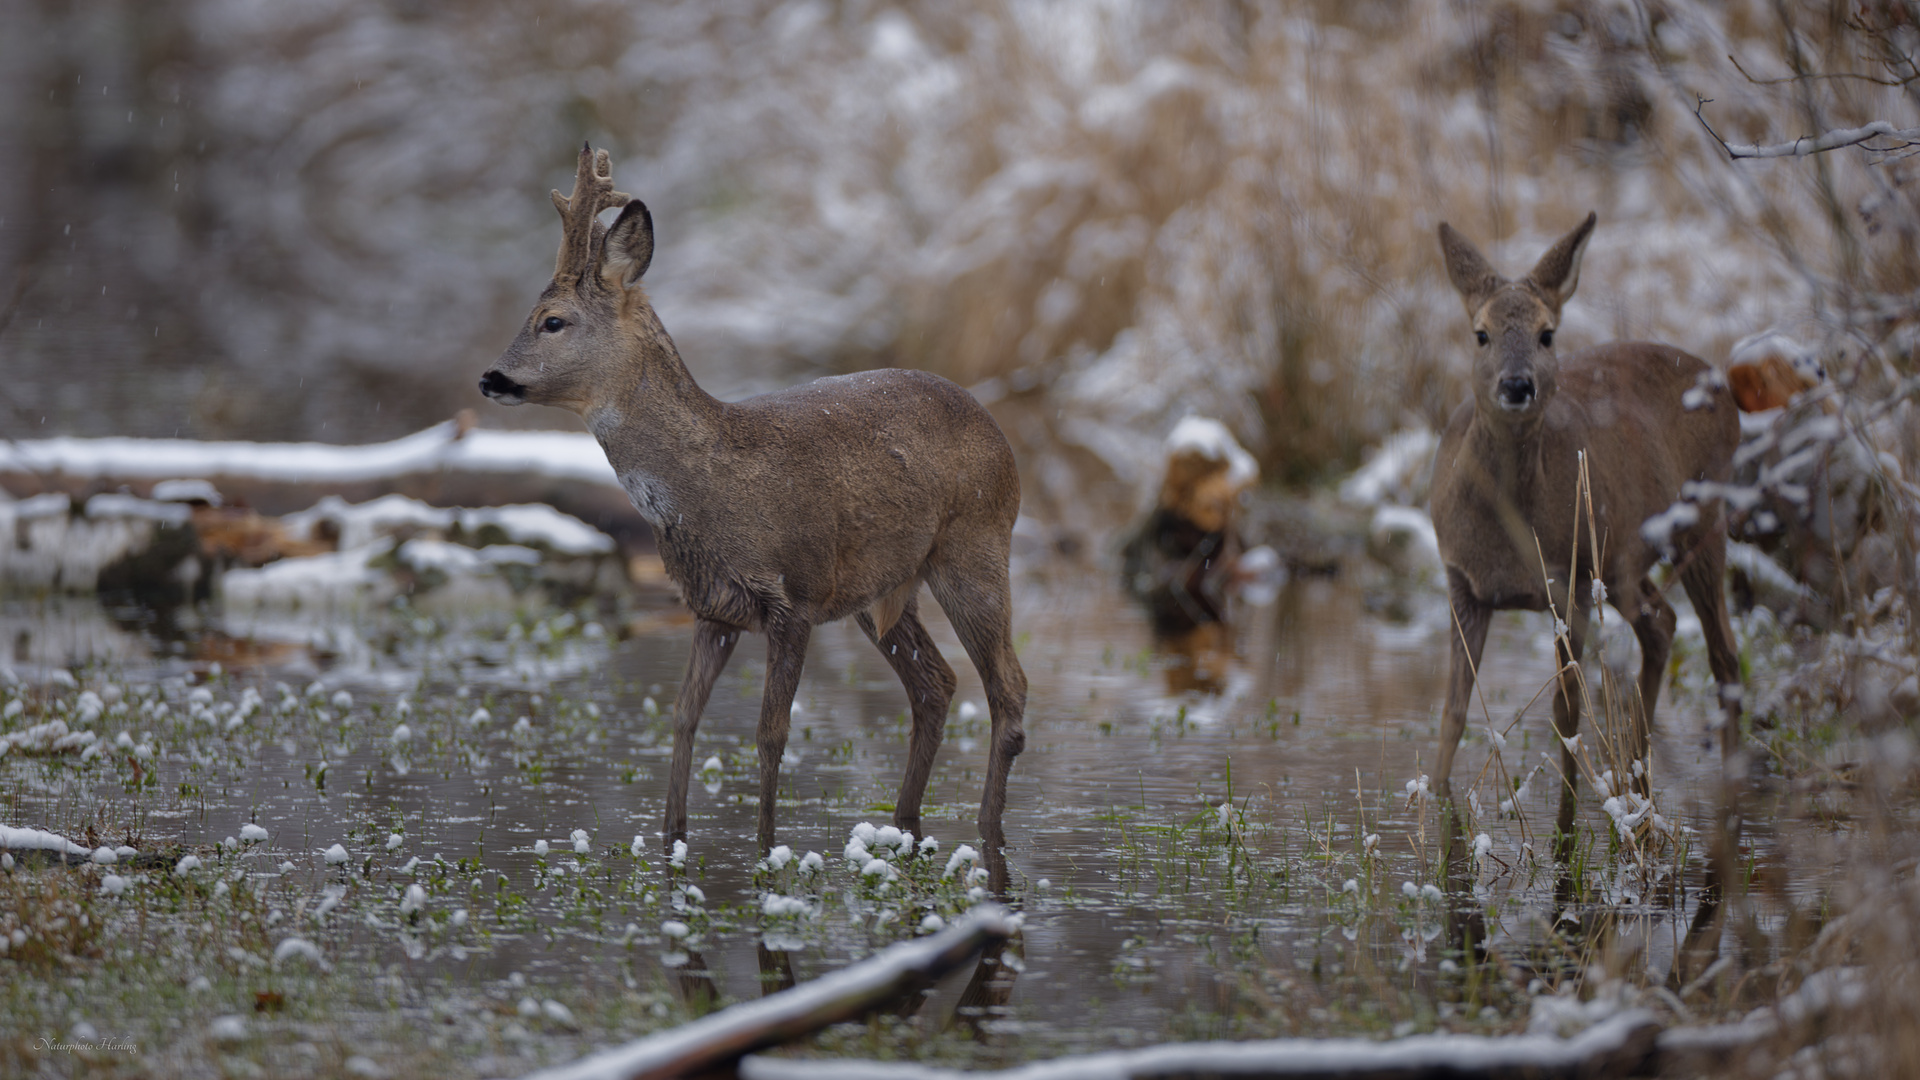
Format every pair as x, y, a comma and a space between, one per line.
819, 499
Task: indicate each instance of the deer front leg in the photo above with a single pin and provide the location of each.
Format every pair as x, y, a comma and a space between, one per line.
1469, 635
786, 651
1567, 650
713, 643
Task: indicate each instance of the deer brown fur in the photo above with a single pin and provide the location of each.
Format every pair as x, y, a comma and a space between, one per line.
1507, 472
777, 513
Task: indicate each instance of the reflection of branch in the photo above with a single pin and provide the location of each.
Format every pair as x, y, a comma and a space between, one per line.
21, 281
1813, 144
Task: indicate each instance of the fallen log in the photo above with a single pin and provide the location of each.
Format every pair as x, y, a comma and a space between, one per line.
1629, 1043
449, 464
716, 1041
1620, 1046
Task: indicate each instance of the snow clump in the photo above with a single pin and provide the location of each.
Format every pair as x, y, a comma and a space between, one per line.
964, 855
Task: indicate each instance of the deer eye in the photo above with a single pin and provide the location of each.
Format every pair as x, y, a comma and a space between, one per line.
553, 324
1546, 339
1480, 336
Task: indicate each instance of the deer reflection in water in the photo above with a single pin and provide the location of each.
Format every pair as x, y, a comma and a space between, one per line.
1185, 558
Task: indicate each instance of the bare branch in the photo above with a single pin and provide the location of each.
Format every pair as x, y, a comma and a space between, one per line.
1757, 81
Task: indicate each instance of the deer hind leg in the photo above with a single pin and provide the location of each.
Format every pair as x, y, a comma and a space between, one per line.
1469, 640
713, 643
930, 684
786, 651
973, 590
1704, 579
1653, 621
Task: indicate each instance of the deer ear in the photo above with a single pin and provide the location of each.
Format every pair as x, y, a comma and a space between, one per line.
629, 246
1558, 271
1472, 277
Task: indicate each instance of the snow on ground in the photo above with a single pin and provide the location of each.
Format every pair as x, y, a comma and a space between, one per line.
1211, 440
53, 548
1398, 473
535, 525
49, 547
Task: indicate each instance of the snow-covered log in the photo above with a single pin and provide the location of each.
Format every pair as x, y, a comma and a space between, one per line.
13, 839
1619, 1046
557, 454
714, 1041
1628, 1043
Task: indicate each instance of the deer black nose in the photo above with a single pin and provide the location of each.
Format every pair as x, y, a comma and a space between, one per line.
1516, 392
494, 384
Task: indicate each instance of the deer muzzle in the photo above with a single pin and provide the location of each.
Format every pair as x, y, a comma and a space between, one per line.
502, 389
1515, 393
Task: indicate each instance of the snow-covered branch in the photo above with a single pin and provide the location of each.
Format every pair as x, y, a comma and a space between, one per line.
1815, 144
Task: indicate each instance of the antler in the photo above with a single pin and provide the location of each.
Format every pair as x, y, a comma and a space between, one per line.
592, 193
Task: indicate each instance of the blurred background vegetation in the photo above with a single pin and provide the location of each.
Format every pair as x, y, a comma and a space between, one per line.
227, 218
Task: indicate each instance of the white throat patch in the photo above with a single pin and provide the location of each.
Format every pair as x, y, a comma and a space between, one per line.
649, 494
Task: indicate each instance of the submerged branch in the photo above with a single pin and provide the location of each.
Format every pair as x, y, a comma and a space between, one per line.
716, 1041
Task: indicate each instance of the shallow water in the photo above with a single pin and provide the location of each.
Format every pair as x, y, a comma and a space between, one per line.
1145, 919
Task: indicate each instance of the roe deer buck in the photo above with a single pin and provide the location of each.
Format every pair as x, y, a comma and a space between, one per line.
1506, 474
787, 510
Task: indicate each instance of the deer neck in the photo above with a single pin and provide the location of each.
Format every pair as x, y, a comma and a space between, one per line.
660, 431
1508, 455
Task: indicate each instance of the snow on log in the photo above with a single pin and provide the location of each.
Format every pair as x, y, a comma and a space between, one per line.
1619, 1046
12, 839
714, 1041
557, 454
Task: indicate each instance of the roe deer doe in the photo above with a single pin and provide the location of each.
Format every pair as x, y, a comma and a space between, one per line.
1506, 474
787, 510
